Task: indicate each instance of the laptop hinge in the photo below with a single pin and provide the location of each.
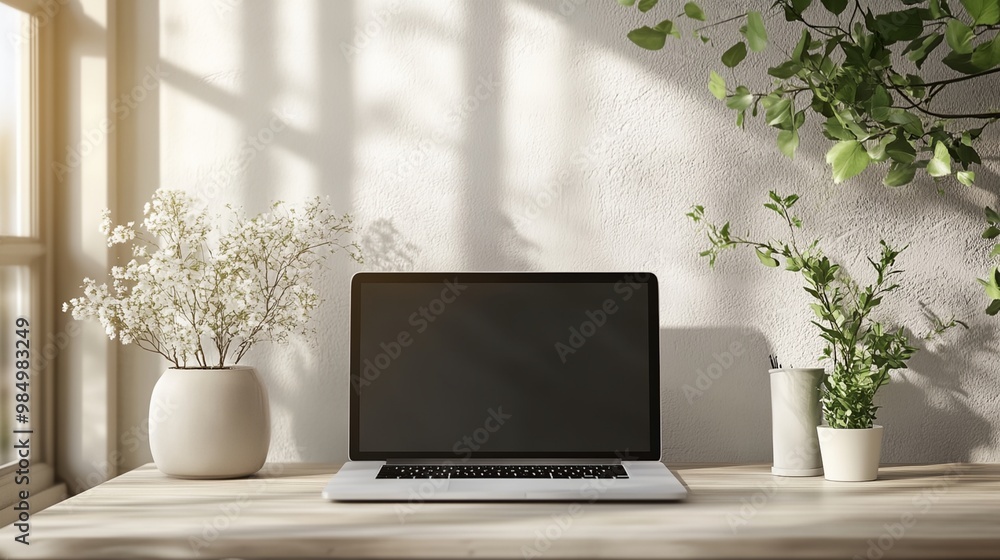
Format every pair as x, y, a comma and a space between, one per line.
464, 461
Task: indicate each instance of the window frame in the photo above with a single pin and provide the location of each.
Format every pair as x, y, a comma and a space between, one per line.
35, 250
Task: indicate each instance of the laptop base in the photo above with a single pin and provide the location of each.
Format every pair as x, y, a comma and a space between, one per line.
647, 481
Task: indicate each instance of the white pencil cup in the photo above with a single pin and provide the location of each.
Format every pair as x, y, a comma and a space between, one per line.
795, 413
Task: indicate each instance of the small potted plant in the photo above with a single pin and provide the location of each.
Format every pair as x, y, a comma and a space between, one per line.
861, 351
201, 297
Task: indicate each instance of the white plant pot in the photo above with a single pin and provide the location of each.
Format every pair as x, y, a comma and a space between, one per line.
209, 423
850, 455
795, 414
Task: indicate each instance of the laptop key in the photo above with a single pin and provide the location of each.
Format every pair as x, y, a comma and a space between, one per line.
502, 471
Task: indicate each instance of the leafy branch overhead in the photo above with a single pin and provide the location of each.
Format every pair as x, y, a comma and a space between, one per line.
992, 283
862, 351
859, 73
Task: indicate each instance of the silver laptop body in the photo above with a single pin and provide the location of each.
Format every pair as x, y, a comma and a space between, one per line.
504, 387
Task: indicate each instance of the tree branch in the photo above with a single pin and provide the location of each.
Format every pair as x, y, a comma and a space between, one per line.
961, 78
718, 23
994, 115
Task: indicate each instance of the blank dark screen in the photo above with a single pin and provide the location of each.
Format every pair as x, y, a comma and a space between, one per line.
471, 368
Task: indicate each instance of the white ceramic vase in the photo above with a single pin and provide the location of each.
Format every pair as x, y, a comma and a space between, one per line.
795, 414
209, 423
850, 455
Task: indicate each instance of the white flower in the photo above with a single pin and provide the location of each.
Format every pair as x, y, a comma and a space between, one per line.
190, 292
105, 225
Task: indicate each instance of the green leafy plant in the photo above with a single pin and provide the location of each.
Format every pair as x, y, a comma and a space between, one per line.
992, 282
859, 73
865, 75
861, 350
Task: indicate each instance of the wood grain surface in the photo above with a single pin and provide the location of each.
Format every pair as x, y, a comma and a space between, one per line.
735, 511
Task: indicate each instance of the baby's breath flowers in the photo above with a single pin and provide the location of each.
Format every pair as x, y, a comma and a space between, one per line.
201, 297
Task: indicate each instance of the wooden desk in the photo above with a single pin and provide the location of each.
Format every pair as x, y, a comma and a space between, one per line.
936, 511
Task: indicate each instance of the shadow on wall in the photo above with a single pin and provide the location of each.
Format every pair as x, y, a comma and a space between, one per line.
385, 248
138, 155
491, 241
683, 63
715, 395
728, 421
926, 411
715, 398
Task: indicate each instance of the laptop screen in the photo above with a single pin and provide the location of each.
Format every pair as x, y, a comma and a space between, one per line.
504, 365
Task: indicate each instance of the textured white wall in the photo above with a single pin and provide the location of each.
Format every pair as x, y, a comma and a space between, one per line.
530, 135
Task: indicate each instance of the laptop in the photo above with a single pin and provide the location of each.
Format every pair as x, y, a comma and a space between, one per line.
476, 386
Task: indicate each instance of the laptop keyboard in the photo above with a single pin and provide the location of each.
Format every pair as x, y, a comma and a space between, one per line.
502, 471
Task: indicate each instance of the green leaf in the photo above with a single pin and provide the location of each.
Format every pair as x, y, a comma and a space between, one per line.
993, 308
668, 27
983, 12
877, 152
901, 150
992, 290
765, 258
788, 142
740, 99
735, 55
915, 85
692, 11
648, 38
940, 164
848, 158
770, 99
626, 2
785, 70
961, 63
926, 47
802, 47
967, 178
992, 216
755, 32
779, 113
899, 174
847, 91
717, 85
910, 122
899, 26
847, 120
881, 98
800, 5
916, 43
959, 36
935, 9
991, 232
646, 5
967, 155
987, 55
835, 6
836, 131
